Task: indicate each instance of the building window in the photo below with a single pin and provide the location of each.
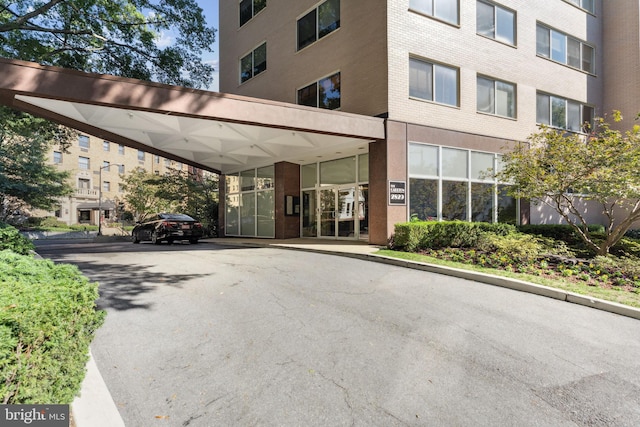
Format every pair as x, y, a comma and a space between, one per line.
120, 188
121, 169
496, 97
106, 186
57, 157
325, 93
105, 164
249, 9
496, 22
84, 163
167, 162
433, 82
318, 23
253, 63
83, 183
156, 159
141, 155
83, 142
121, 149
562, 113
450, 183
106, 146
250, 203
564, 49
446, 10
588, 5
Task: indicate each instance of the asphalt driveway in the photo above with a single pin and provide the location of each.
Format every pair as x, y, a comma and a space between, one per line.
208, 335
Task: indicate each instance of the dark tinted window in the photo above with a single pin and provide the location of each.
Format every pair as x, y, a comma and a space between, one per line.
307, 29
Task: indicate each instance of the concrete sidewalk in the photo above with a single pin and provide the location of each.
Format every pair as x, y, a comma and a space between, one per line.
95, 407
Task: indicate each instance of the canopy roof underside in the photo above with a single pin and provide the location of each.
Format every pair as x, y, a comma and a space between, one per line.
210, 130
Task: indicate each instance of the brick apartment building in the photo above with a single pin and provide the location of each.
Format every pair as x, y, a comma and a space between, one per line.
97, 166
456, 82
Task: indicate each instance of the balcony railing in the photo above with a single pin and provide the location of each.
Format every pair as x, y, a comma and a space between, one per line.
86, 192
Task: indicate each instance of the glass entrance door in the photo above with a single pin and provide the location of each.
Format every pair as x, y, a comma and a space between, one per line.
340, 210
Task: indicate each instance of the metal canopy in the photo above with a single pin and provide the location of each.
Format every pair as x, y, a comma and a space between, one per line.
214, 131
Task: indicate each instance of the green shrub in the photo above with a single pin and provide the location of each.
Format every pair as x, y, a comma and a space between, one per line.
47, 321
11, 239
408, 236
517, 248
562, 232
54, 222
83, 227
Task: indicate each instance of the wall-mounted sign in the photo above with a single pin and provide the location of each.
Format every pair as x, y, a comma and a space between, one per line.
397, 192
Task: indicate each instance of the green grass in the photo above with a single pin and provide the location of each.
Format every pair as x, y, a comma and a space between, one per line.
609, 294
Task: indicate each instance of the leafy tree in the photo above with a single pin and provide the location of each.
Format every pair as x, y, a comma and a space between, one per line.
560, 169
193, 194
142, 189
26, 180
119, 37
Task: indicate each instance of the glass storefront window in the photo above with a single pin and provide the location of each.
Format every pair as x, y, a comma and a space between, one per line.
248, 214
265, 178
248, 180
340, 171
363, 167
309, 175
423, 198
507, 206
482, 200
232, 183
423, 160
232, 212
454, 163
265, 214
481, 163
454, 200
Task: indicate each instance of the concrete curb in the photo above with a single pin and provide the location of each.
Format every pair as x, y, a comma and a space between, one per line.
95, 407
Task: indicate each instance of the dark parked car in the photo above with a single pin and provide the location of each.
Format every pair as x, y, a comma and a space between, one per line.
168, 227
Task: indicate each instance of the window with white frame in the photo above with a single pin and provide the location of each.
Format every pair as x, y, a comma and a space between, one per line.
445, 10
325, 93
106, 186
562, 48
588, 5
106, 146
319, 22
140, 155
451, 183
249, 9
496, 97
121, 169
254, 63
562, 113
57, 157
83, 142
433, 82
105, 165
121, 149
84, 163
496, 22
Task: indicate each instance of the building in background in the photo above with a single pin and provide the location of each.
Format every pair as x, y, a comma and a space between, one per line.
95, 164
458, 82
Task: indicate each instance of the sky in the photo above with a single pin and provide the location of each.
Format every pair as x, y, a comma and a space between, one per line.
210, 8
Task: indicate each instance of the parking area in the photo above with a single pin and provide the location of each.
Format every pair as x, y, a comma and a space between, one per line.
210, 334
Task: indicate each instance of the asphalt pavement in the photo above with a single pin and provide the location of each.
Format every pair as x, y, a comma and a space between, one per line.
220, 334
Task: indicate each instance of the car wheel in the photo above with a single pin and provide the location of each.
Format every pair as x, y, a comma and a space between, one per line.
154, 238
170, 241
136, 239
193, 241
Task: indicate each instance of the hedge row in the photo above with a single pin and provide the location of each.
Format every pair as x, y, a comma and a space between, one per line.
48, 318
11, 239
416, 235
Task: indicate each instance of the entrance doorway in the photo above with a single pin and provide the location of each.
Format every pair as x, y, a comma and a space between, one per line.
337, 212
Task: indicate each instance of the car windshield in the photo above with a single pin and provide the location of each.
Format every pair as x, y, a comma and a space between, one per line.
176, 217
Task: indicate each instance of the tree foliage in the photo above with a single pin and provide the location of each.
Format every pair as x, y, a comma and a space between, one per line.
562, 170
177, 191
26, 180
120, 37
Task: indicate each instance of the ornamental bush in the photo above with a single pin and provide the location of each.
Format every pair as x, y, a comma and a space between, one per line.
10, 238
48, 318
